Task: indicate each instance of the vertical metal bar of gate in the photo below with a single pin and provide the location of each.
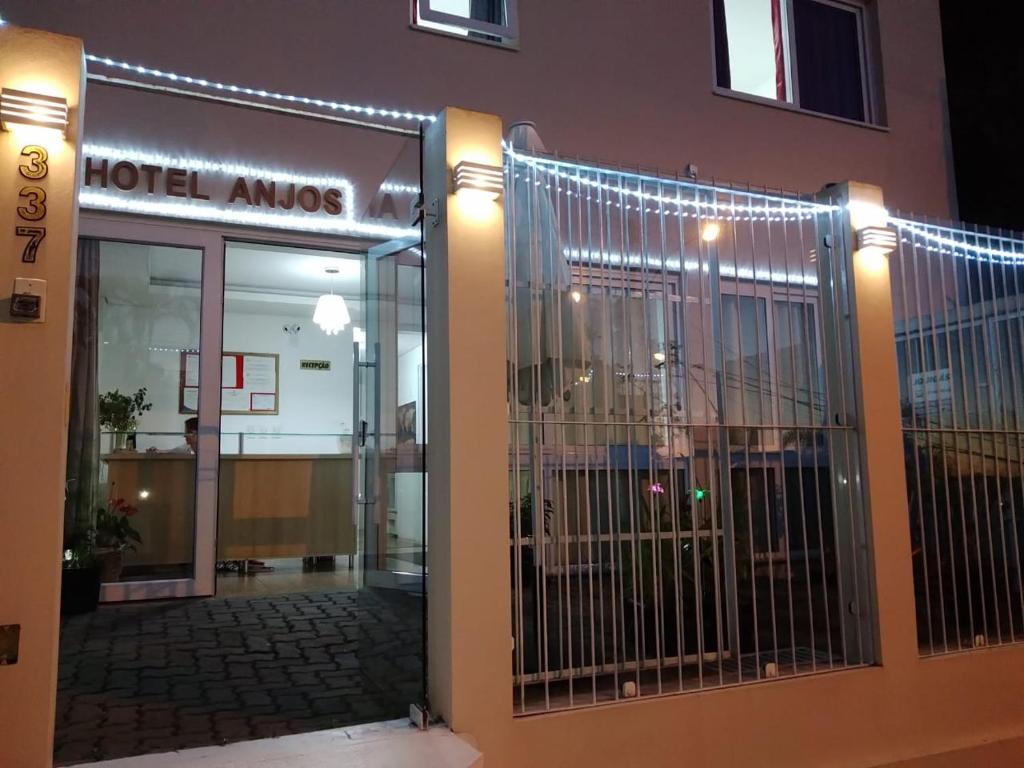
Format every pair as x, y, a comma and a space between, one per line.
629, 431
966, 325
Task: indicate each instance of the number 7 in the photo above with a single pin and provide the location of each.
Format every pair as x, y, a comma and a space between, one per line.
35, 235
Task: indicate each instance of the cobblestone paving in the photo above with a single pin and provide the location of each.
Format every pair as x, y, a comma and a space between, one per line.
163, 676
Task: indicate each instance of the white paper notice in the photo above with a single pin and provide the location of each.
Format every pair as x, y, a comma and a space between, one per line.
263, 402
260, 373
191, 369
190, 398
234, 400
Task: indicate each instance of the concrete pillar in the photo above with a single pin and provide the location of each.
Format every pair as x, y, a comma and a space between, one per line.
877, 390
469, 622
34, 371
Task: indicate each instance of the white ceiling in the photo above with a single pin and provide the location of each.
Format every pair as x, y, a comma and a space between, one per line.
297, 270
258, 279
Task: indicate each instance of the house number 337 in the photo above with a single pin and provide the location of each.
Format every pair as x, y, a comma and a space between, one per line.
34, 167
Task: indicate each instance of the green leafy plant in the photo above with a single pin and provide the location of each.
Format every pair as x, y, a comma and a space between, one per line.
526, 516
113, 528
120, 413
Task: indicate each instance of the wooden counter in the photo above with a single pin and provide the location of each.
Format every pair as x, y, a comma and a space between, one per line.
285, 506
166, 517
269, 505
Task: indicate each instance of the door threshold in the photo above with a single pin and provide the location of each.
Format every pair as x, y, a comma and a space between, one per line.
375, 745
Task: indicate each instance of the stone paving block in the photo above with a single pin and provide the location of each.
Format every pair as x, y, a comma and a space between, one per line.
151, 677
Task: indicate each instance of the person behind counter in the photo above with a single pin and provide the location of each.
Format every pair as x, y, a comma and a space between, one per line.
191, 438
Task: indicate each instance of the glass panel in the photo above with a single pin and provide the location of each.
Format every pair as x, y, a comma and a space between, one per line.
489, 11
747, 377
829, 61
285, 506
392, 457
131, 440
755, 46
801, 391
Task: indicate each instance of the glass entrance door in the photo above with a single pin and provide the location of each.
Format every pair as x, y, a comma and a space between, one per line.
390, 417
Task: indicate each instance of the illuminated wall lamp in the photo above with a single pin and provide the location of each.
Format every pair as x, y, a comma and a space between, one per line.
24, 108
880, 241
478, 179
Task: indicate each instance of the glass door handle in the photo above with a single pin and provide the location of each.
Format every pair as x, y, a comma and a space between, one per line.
356, 443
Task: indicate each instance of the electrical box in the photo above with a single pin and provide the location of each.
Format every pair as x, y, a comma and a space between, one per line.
28, 300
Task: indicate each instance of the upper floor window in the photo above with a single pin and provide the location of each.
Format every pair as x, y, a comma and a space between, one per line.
808, 53
492, 20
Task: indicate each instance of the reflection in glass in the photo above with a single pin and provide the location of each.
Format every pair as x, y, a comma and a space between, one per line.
131, 439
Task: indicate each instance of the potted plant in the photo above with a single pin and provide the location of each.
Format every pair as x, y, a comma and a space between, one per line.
119, 414
80, 574
114, 534
657, 578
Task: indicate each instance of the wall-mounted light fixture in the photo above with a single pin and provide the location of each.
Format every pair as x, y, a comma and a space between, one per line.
877, 240
35, 109
478, 179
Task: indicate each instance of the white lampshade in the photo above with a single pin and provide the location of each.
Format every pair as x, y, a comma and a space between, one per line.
331, 314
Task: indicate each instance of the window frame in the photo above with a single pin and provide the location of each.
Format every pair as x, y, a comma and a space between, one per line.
867, 45
504, 35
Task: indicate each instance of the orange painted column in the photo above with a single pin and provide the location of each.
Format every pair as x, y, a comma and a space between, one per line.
38, 203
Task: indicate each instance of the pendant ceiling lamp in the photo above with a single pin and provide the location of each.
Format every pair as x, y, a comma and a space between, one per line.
331, 312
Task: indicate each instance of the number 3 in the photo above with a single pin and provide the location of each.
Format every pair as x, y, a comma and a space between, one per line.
36, 208
36, 167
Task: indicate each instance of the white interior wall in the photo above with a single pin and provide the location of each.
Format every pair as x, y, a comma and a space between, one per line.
145, 327
142, 330
314, 407
409, 485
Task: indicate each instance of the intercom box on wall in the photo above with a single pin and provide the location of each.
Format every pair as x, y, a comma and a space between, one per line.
28, 301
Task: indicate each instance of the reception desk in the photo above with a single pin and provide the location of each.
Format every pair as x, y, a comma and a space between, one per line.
269, 505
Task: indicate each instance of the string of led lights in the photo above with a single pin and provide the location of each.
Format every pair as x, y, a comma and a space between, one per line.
655, 262
396, 187
337, 106
931, 238
786, 209
241, 217
680, 204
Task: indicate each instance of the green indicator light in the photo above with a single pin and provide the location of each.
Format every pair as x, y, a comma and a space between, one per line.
698, 494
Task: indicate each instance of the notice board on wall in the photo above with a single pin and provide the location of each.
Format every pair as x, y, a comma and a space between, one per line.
249, 383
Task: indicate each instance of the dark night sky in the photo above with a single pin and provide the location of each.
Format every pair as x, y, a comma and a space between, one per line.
984, 50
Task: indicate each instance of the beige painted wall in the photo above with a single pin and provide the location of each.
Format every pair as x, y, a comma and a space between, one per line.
34, 362
467, 448
905, 709
626, 81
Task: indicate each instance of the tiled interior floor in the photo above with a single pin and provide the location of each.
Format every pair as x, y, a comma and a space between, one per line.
153, 677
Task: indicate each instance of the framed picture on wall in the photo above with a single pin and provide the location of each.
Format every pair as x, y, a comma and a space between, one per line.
405, 430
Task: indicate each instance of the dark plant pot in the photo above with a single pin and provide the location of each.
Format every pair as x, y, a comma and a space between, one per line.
79, 590
111, 561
